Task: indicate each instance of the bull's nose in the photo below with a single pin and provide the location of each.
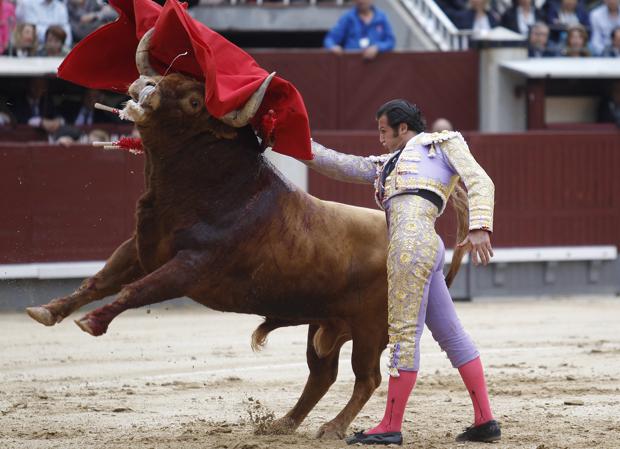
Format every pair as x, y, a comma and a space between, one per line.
145, 92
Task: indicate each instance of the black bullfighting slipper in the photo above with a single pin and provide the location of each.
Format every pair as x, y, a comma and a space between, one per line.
486, 433
376, 438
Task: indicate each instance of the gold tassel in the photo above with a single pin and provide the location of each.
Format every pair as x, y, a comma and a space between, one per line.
432, 152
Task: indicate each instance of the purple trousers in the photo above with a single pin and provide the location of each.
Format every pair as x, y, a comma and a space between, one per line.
417, 291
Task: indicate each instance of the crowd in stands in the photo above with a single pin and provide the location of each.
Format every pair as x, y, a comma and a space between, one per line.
573, 28
554, 27
51, 27
48, 27
64, 118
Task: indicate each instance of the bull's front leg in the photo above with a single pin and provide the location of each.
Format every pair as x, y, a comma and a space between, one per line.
121, 268
172, 280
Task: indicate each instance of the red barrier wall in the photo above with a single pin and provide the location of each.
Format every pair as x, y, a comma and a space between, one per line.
77, 203
344, 92
61, 204
552, 188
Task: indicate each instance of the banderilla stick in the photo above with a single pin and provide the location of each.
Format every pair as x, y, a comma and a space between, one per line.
103, 107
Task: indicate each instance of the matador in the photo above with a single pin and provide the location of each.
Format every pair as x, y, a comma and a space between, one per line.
413, 183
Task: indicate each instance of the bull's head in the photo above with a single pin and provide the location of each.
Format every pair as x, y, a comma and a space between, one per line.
177, 97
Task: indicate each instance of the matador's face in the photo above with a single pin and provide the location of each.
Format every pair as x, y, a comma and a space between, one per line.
391, 139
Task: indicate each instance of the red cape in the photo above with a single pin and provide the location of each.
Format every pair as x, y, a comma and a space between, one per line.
105, 59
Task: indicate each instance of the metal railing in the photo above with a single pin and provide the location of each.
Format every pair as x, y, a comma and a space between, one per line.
438, 26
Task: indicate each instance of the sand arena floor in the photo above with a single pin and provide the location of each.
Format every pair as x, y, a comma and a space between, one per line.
186, 378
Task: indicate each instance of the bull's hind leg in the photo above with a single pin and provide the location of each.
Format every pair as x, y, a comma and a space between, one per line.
323, 373
369, 340
121, 268
172, 280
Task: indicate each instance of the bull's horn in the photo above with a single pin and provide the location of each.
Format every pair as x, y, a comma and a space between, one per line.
142, 55
241, 117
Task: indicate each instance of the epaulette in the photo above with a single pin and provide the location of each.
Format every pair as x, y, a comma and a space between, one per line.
430, 138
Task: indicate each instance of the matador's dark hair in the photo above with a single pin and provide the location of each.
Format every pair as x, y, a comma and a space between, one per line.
401, 111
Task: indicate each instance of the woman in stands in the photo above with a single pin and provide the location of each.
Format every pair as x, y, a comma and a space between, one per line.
413, 184
576, 42
24, 41
7, 23
54, 45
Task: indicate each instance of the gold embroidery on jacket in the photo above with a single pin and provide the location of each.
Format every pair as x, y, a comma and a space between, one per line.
480, 188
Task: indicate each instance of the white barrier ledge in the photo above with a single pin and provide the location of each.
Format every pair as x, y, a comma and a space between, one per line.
549, 254
35, 66
70, 270
53, 270
555, 254
565, 68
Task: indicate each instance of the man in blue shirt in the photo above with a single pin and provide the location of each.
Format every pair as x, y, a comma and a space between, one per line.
364, 28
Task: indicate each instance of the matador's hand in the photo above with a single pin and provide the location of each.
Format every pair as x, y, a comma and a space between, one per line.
478, 243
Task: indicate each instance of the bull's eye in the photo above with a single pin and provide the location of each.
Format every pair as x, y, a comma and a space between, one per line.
192, 104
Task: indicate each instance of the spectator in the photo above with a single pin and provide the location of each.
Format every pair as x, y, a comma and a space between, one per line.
66, 135
69, 135
6, 118
567, 13
521, 17
609, 108
441, 124
476, 17
55, 38
364, 27
98, 135
7, 23
44, 13
85, 113
36, 107
538, 42
613, 50
85, 16
24, 41
603, 20
576, 42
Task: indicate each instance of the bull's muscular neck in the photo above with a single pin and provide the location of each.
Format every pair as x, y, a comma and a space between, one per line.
203, 164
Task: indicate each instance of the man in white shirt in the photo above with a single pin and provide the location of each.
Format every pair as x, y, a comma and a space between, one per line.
44, 13
603, 19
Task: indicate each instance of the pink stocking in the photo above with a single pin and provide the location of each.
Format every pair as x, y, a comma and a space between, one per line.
399, 389
473, 377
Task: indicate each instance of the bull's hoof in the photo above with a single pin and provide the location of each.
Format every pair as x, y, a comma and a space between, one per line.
90, 327
330, 431
42, 315
282, 426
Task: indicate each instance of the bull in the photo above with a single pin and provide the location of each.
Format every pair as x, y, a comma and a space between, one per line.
219, 224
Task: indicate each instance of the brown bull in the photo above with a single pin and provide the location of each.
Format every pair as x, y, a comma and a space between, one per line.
220, 225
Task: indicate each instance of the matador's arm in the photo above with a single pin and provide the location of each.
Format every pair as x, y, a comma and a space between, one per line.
345, 167
480, 187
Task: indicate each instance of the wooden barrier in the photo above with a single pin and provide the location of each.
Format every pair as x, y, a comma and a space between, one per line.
77, 203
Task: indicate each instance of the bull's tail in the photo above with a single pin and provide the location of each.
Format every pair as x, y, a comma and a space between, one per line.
461, 207
259, 336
